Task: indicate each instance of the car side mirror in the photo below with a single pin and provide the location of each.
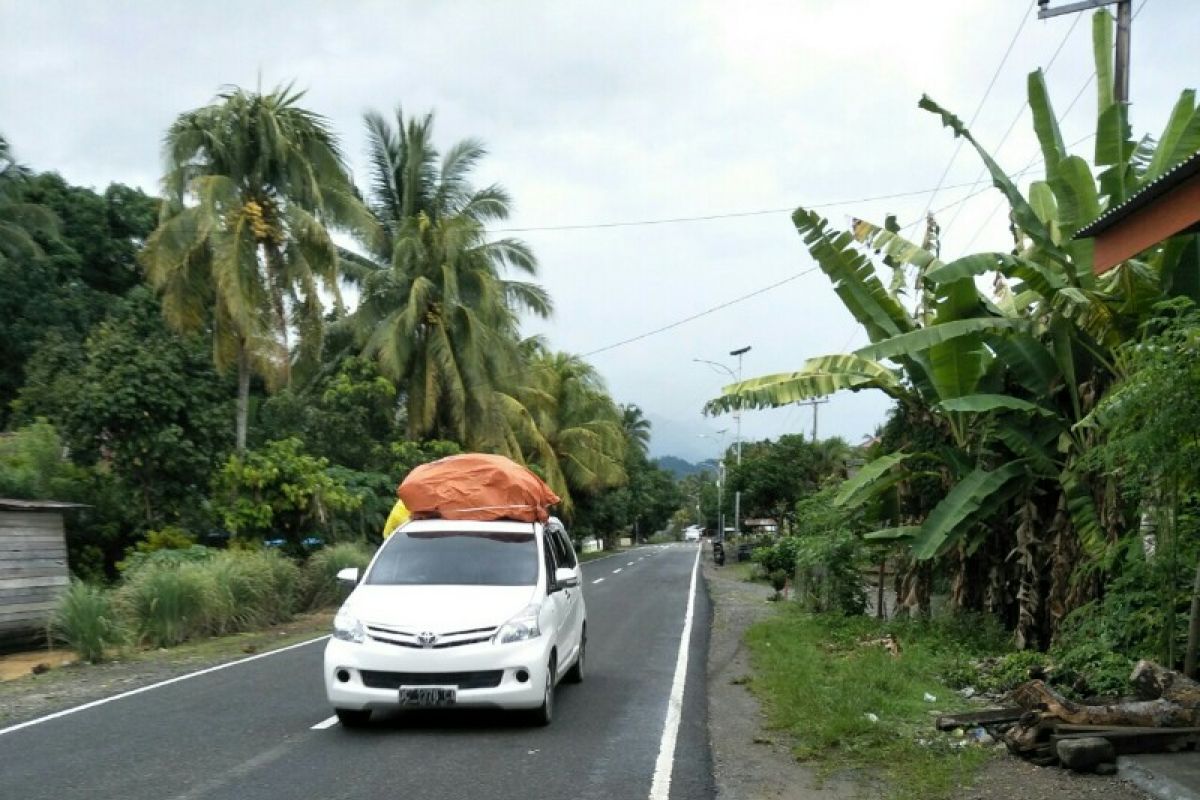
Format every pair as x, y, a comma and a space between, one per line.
565, 577
348, 576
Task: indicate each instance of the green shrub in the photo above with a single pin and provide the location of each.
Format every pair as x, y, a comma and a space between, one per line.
138, 559
251, 589
86, 621
1092, 668
170, 603
318, 584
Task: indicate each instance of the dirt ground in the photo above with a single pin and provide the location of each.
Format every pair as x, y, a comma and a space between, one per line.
753, 763
30, 695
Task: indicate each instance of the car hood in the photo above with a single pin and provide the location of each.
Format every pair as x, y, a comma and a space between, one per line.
439, 609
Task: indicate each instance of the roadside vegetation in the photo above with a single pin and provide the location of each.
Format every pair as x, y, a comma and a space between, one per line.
1030, 506
173, 596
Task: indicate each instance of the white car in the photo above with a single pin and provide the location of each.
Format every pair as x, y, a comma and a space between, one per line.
692, 533
452, 613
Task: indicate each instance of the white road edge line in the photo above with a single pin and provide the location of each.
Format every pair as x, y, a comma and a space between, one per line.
598, 580
660, 787
325, 723
159, 685
618, 569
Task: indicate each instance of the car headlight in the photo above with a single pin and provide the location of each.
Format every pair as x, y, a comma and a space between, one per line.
521, 628
348, 628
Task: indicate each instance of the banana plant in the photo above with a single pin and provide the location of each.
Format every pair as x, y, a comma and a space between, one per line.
1010, 378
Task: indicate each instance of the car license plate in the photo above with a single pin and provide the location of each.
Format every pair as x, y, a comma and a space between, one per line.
427, 696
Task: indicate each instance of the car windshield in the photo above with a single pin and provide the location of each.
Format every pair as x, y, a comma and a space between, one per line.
457, 558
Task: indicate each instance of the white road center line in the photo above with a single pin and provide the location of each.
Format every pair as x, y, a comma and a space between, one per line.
325, 723
598, 580
630, 564
660, 788
618, 569
168, 682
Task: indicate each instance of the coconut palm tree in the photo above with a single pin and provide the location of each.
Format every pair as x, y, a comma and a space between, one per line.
435, 308
568, 427
20, 222
254, 182
636, 427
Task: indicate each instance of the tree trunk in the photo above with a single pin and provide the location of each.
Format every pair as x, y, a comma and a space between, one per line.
243, 396
1193, 640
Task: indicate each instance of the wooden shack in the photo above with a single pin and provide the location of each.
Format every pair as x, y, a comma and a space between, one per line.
33, 567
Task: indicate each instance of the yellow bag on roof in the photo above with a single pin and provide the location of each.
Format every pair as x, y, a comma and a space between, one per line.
398, 517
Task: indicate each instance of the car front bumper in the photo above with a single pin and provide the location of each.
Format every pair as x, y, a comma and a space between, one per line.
353, 659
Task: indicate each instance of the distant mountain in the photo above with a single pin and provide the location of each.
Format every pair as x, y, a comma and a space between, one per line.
681, 468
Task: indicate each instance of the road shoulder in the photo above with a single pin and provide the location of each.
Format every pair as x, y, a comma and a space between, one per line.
748, 760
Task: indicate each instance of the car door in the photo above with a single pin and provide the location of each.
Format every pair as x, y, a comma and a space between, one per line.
557, 602
573, 596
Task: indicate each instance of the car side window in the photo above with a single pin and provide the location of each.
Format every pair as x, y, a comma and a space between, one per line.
563, 549
548, 547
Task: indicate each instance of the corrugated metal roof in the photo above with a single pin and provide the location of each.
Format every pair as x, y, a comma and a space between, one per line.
10, 504
1185, 169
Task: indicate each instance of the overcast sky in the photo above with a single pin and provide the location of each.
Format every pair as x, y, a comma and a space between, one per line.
604, 112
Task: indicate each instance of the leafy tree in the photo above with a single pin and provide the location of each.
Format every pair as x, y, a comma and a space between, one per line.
253, 183
774, 476
279, 491
348, 416
149, 406
434, 308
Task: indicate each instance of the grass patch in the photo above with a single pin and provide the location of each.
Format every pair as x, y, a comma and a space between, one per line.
86, 621
318, 585
819, 681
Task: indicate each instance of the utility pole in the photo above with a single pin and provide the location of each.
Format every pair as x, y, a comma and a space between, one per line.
1124, 28
814, 404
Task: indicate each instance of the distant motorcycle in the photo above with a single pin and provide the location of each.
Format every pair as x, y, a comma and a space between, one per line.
719, 554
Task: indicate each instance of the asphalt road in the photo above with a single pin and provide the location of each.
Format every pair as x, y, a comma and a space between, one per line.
246, 732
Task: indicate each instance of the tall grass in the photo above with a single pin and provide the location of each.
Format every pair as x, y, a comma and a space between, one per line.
319, 580
86, 621
169, 603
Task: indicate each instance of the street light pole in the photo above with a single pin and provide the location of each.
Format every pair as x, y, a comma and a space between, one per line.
737, 498
1124, 24
737, 418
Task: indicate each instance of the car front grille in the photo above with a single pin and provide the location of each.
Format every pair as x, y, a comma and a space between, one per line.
487, 679
404, 638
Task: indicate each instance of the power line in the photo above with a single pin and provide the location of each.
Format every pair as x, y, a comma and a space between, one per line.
982, 101
1017, 118
700, 314
711, 217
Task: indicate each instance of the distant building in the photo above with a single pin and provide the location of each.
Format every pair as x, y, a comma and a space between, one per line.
33, 567
760, 525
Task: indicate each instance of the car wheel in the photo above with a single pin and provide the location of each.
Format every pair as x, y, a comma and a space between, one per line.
544, 714
575, 674
353, 718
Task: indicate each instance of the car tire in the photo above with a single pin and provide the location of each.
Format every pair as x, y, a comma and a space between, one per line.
353, 717
575, 673
543, 715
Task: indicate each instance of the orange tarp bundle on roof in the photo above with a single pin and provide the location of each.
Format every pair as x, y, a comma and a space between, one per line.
478, 487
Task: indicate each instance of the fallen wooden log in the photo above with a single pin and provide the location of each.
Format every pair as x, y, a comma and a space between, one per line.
1166, 716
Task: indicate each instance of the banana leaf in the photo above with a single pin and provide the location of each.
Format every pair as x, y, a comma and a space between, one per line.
950, 517
1179, 140
914, 342
856, 490
818, 377
1023, 214
893, 534
853, 276
982, 403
